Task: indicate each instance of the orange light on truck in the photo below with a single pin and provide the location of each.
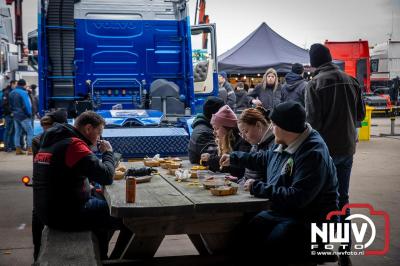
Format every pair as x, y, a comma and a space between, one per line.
26, 180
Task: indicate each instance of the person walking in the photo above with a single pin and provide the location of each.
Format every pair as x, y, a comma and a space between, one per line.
294, 88
334, 106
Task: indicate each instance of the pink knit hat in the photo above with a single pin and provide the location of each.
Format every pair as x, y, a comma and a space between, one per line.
224, 117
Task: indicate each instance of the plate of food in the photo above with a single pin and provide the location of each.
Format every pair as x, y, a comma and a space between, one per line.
151, 162
212, 181
225, 190
119, 172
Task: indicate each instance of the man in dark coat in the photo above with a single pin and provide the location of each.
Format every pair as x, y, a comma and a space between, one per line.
300, 181
334, 107
226, 92
293, 89
202, 139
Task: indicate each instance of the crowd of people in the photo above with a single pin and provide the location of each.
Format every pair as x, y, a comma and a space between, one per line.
291, 143
20, 106
268, 93
295, 146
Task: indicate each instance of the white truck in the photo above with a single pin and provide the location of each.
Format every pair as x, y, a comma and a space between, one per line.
385, 64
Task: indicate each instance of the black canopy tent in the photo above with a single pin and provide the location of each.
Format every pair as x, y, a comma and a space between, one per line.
262, 49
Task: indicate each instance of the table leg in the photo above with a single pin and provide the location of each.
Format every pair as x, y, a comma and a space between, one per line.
142, 247
199, 244
217, 243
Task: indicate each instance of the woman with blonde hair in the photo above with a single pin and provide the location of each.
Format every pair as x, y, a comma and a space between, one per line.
268, 93
227, 136
256, 128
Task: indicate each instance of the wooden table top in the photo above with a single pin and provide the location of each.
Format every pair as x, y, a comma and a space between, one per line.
163, 196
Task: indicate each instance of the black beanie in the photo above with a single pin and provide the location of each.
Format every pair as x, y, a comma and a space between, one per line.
59, 116
211, 106
297, 68
319, 55
289, 116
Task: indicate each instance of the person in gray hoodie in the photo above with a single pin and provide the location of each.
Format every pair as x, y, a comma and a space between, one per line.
295, 85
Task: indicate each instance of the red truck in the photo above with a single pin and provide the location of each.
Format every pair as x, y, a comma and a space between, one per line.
356, 58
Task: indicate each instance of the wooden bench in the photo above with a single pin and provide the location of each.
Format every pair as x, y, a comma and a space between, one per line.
68, 248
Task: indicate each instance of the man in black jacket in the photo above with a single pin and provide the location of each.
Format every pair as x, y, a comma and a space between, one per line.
62, 170
300, 181
202, 139
334, 106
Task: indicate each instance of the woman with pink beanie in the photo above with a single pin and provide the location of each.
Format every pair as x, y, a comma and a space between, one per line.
227, 136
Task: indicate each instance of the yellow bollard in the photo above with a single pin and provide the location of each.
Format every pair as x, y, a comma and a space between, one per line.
365, 130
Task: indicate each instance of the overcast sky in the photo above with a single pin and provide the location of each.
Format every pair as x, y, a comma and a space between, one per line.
301, 22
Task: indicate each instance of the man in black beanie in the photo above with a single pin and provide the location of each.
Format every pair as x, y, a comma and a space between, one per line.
319, 55
202, 139
334, 107
300, 182
294, 88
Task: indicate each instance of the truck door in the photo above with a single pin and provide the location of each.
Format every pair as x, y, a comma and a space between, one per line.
205, 63
361, 74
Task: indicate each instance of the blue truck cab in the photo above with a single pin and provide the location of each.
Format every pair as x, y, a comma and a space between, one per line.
129, 60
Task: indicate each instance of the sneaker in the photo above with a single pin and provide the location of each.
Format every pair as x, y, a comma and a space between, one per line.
344, 260
18, 151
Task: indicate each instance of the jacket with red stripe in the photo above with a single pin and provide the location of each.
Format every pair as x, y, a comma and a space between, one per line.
62, 170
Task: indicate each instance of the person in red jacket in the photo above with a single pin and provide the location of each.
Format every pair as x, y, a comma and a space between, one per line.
62, 170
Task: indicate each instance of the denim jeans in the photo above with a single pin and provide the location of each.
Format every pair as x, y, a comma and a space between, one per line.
343, 169
8, 136
20, 126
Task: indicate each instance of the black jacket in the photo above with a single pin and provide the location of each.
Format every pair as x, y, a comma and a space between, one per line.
242, 100
5, 102
202, 139
293, 89
269, 97
333, 107
61, 172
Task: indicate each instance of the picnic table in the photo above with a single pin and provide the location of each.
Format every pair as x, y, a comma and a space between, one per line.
164, 206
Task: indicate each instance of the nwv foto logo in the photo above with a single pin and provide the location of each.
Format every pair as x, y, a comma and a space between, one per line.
330, 233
